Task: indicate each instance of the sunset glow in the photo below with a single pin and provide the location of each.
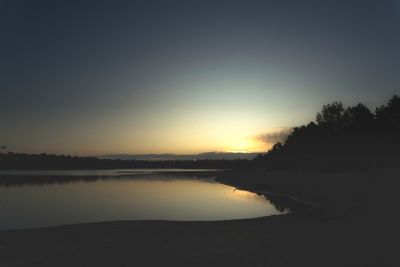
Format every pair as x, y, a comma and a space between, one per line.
165, 82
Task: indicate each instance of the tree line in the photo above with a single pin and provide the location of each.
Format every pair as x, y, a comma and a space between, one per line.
341, 138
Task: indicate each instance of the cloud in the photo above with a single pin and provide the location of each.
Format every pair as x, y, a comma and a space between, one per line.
275, 135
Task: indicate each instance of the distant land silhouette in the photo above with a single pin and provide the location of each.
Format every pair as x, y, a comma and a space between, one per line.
20, 161
341, 138
200, 156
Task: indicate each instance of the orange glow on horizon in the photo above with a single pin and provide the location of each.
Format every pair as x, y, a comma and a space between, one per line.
245, 145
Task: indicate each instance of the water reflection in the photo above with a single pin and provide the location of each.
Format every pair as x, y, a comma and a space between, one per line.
49, 177
35, 200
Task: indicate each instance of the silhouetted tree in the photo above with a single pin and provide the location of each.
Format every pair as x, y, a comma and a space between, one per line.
390, 112
331, 115
358, 114
277, 147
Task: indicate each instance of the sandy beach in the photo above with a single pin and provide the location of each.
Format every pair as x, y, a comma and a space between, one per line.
356, 224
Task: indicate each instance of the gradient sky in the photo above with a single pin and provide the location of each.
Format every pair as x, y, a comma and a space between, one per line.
99, 77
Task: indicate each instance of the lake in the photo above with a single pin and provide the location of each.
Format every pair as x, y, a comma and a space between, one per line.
31, 199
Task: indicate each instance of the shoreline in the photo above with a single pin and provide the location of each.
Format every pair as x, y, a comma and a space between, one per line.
346, 230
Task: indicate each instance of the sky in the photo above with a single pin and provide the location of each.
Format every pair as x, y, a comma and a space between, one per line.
156, 76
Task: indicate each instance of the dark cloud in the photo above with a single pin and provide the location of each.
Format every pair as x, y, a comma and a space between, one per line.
275, 136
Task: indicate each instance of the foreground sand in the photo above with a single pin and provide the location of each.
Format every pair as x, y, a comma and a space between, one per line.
356, 225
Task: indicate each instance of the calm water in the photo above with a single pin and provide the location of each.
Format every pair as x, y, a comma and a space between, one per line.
34, 199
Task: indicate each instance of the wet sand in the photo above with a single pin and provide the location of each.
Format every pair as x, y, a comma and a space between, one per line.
356, 224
